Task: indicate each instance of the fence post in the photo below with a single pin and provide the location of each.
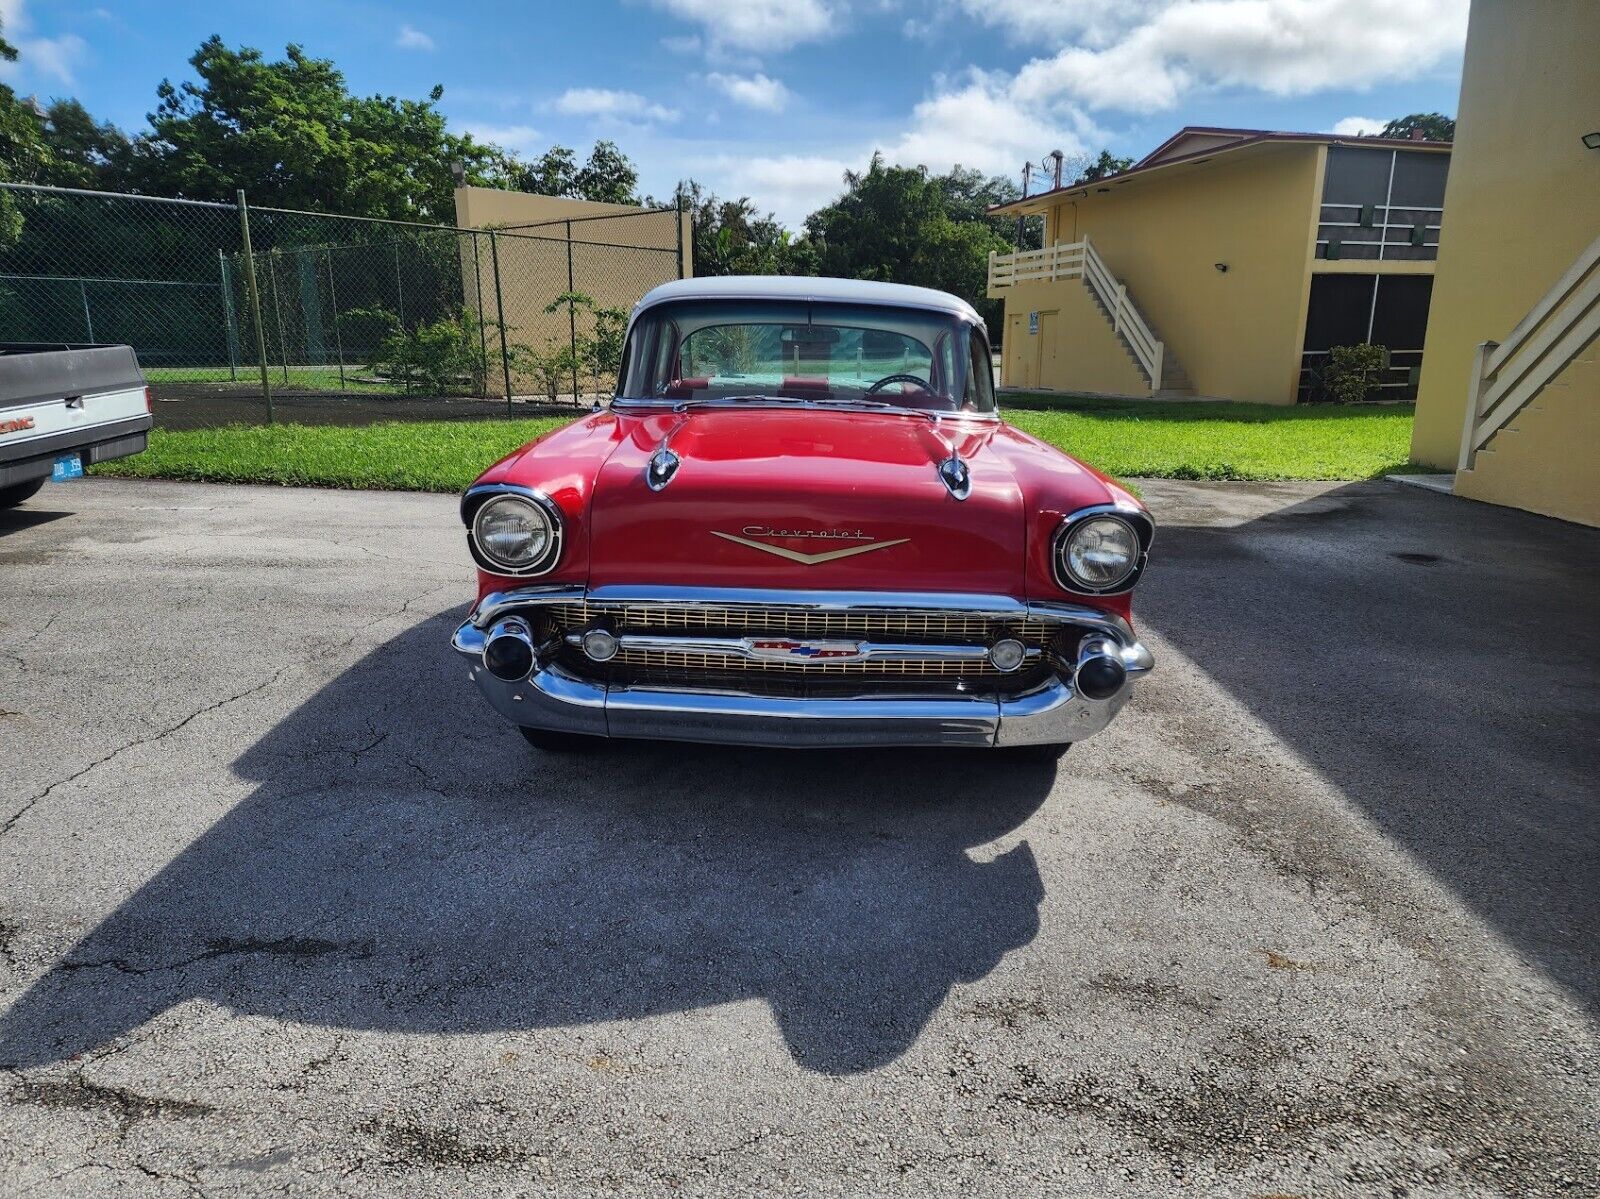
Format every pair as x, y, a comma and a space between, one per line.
255, 298
677, 207
500, 313
88, 321
277, 310
483, 333
572, 320
333, 302
230, 326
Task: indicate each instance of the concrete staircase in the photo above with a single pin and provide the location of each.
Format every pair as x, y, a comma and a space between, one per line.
1174, 381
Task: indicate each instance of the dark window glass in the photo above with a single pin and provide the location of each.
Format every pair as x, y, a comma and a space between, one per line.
1356, 176
1401, 318
1419, 180
1338, 311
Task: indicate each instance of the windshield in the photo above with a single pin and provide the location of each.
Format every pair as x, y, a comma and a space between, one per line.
796, 351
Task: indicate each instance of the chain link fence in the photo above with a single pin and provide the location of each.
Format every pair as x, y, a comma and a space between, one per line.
245, 314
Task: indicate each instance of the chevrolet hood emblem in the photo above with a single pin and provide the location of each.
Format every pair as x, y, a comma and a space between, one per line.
809, 559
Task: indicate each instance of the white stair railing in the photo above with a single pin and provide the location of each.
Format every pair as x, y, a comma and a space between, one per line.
1508, 375
1080, 260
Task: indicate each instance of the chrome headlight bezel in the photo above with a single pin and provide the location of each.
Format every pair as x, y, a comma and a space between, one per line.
1137, 523
478, 499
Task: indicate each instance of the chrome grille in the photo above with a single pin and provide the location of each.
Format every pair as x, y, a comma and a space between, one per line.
953, 627
680, 660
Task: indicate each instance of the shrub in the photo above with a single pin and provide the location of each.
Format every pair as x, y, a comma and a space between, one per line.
443, 356
1354, 372
551, 366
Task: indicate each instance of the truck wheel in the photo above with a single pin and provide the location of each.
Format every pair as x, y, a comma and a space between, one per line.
559, 743
11, 496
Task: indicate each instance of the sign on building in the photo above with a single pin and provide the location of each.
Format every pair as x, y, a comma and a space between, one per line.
1033, 323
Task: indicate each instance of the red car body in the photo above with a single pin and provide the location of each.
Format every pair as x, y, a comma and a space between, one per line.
837, 522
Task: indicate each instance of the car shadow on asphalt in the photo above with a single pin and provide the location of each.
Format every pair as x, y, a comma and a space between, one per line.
15, 520
408, 863
1437, 661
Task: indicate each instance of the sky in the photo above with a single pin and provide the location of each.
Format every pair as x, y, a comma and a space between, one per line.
775, 99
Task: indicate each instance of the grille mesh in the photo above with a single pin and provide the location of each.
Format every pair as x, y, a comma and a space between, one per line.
952, 627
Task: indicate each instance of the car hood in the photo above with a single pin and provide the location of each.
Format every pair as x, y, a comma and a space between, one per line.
807, 499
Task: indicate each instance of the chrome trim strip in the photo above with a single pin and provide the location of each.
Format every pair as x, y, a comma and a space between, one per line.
730, 718
744, 648
998, 607
492, 606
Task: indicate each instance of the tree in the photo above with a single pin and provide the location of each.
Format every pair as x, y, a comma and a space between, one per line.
85, 152
23, 152
1103, 167
290, 133
732, 237
1435, 127
609, 175
894, 223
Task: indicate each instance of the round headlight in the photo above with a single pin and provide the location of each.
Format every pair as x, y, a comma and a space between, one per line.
1098, 554
515, 534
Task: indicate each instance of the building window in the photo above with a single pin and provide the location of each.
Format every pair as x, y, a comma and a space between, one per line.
1385, 310
1381, 204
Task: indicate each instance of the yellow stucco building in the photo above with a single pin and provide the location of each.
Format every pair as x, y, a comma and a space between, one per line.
1227, 263
1520, 266
546, 245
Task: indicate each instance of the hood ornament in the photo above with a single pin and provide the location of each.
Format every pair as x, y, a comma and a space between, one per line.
663, 465
953, 472
664, 462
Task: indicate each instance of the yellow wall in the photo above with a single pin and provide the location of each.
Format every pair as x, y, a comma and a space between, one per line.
533, 261
1074, 350
1237, 334
1522, 201
1546, 459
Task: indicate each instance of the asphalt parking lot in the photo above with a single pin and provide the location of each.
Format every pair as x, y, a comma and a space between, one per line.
284, 909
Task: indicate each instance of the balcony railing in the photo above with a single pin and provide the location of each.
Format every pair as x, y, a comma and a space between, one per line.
1080, 260
1508, 375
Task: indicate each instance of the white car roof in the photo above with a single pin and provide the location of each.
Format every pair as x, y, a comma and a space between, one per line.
804, 288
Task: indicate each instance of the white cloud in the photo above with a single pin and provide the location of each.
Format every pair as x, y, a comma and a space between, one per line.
412, 38
761, 26
1359, 126
604, 102
687, 43
1149, 55
752, 91
52, 58
524, 139
976, 121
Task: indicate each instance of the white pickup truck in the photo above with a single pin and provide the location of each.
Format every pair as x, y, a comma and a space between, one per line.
66, 407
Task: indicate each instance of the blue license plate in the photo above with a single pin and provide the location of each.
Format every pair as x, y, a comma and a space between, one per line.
66, 467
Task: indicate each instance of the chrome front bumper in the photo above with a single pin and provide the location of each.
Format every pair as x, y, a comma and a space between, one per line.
554, 698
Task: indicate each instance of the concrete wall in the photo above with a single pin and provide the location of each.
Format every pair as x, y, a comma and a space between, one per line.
1523, 200
1237, 334
618, 253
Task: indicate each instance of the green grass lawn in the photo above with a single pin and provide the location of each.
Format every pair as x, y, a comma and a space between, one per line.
1204, 440
357, 380
1125, 438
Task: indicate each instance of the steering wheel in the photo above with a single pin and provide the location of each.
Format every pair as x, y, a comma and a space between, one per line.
888, 379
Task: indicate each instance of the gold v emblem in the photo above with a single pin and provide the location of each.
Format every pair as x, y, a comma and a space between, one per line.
810, 559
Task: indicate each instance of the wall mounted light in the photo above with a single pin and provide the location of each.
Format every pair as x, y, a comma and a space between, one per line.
1592, 140
1221, 266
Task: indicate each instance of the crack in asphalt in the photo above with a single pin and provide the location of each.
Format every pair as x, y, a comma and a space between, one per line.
138, 741
12, 820
298, 948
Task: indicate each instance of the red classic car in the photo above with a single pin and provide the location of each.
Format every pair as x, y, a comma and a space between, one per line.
801, 522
